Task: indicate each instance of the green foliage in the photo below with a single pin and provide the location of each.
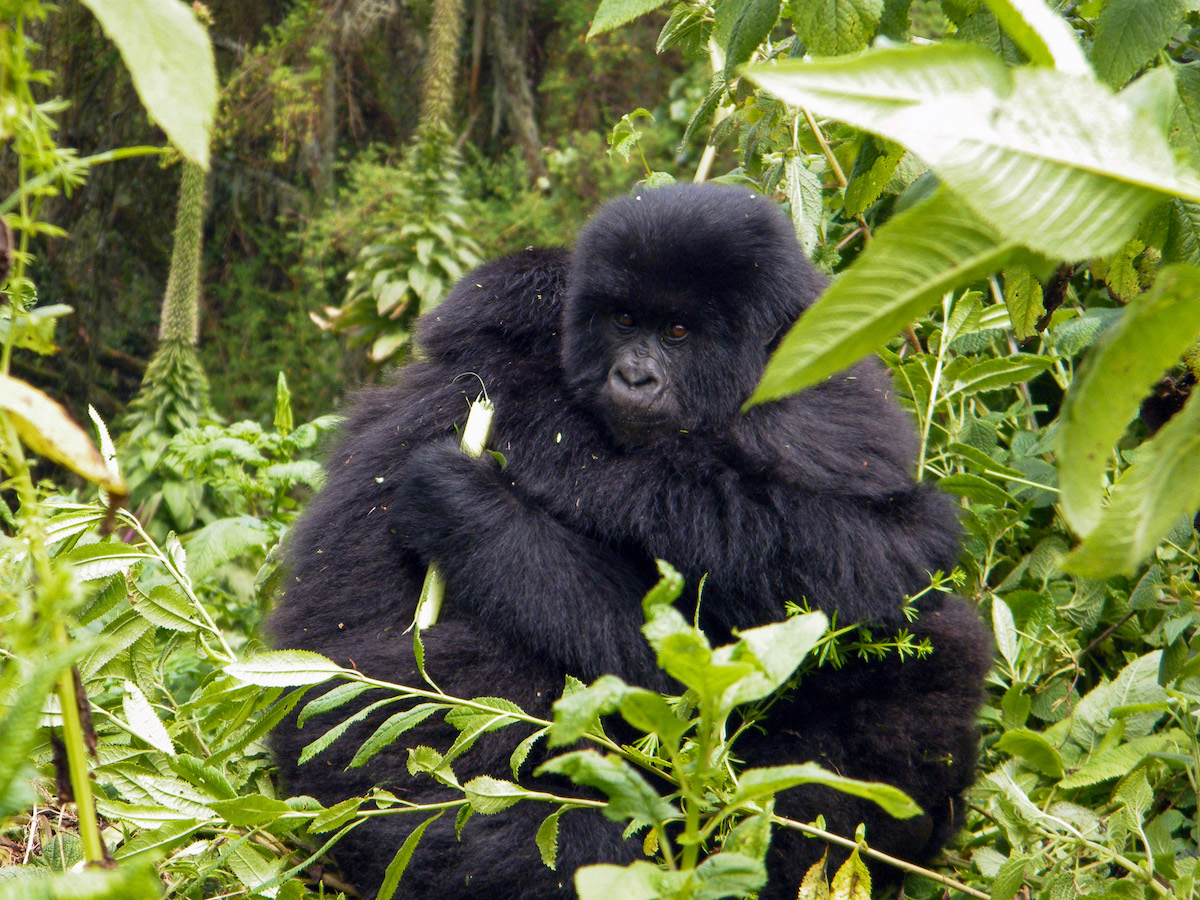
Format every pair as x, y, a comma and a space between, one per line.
415, 245
709, 820
170, 57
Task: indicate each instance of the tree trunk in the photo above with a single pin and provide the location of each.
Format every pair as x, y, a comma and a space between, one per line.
509, 45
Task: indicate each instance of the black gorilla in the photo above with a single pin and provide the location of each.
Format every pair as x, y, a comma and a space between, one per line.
617, 374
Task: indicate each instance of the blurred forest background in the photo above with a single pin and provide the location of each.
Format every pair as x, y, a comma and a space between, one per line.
320, 101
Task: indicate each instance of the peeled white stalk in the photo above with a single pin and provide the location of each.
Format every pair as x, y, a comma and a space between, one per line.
474, 440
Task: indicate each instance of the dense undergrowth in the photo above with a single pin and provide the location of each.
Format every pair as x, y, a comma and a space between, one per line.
1016, 224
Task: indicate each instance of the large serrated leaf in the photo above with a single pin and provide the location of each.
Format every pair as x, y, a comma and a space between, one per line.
612, 14
170, 57
835, 27
1151, 335
752, 26
900, 275
1042, 35
1130, 32
1051, 160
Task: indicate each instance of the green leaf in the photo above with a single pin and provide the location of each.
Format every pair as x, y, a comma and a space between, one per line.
1114, 762
629, 795
1150, 497
1042, 35
252, 811
804, 194
1136, 683
1032, 749
519, 755
1186, 121
325, 740
637, 881
873, 168
166, 606
169, 55
1000, 372
331, 700
759, 784
131, 882
728, 874
653, 714
395, 869
547, 838
580, 711
143, 721
387, 733
1051, 160
1005, 631
284, 668
1151, 336
224, 540
1130, 32
95, 561
1023, 298
900, 275
1009, 878
835, 27
752, 26
975, 487
489, 795
774, 650
612, 14
852, 880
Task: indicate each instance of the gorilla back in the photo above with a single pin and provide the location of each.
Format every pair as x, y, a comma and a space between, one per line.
617, 372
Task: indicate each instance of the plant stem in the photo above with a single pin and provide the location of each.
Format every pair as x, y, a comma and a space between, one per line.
73, 740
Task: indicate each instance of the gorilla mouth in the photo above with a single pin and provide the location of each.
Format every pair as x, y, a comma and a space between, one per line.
632, 427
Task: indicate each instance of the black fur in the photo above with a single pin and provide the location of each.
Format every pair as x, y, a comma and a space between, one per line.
546, 562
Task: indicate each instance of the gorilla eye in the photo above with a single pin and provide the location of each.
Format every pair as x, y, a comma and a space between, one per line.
624, 319
676, 332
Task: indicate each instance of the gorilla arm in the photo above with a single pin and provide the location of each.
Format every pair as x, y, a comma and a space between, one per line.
507, 562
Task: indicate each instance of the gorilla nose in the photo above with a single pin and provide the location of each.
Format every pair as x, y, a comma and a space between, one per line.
637, 377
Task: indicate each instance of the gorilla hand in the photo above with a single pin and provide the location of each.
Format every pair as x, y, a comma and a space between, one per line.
435, 509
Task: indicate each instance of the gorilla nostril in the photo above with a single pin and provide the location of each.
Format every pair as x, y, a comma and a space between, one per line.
636, 378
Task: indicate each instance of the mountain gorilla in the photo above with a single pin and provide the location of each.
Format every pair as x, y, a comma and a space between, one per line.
618, 372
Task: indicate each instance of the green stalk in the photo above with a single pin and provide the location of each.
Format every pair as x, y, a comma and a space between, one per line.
73, 739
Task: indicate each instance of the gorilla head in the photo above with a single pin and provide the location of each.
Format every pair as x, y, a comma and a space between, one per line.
676, 296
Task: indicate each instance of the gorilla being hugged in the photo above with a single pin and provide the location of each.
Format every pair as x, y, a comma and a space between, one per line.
618, 372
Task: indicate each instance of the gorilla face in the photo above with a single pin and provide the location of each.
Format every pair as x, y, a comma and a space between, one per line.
644, 354
674, 299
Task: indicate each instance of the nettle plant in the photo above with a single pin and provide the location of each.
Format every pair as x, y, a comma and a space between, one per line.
708, 821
